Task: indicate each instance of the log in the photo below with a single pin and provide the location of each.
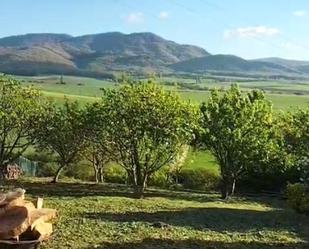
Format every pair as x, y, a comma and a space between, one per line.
16, 194
42, 215
21, 219
39, 203
42, 230
16, 220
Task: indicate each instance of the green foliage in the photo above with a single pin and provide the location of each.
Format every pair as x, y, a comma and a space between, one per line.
147, 127
238, 130
63, 133
21, 111
199, 179
161, 178
82, 170
115, 174
296, 131
47, 169
298, 197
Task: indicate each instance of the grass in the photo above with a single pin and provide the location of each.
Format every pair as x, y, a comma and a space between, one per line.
105, 216
280, 101
201, 159
60, 98
84, 89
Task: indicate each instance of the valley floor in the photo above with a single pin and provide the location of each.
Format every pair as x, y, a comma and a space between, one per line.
105, 216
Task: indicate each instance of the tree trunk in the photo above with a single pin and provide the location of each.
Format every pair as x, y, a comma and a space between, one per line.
56, 177
224, 190
101, 175
227, 187
96, 174
140, 184
233, 187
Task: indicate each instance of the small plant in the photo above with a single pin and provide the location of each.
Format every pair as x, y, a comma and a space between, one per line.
298, 197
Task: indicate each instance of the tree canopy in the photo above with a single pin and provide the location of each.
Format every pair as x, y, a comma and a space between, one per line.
21, 111
63, 132
146, 127
236, 129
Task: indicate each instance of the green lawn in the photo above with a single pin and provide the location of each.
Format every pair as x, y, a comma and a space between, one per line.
105, 216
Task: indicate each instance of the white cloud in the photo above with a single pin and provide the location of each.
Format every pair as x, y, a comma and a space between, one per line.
135, 18
251, 32
163, 15
300, 13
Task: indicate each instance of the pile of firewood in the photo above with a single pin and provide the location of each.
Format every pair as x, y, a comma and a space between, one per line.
21, 220
12, 171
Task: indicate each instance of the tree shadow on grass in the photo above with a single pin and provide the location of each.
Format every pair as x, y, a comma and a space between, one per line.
73, 189
64, 189
214, 219
197, 244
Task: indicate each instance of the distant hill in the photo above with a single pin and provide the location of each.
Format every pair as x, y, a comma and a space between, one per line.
91, 54
101, 54
300, 66
231, 63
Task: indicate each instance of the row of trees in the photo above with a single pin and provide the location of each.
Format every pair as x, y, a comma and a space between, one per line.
143, 128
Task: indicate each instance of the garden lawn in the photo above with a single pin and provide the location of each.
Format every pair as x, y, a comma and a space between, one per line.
105, 216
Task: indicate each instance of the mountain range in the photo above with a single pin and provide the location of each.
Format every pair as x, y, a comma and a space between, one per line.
100, 54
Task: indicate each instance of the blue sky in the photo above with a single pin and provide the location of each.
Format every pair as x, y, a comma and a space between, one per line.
247, 28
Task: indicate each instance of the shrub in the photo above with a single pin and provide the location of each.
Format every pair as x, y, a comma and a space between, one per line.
160, 178
115, 174
47, 169
298, 197
82, 170
199, 179
272, 179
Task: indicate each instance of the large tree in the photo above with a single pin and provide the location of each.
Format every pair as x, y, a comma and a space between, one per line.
63, 133
237, 128
21, 111
146, 126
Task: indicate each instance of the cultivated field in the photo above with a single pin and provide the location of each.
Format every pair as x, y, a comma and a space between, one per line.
284, 94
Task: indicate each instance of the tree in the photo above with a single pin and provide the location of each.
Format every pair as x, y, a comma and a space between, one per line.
21, 111
99, 157
98, 150
63, 133
296, 134
146, 127
236, 129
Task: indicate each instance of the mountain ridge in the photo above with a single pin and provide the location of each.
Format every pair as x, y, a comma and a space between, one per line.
102, 53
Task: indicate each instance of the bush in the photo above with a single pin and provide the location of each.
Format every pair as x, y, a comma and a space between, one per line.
47, 169
160, 179
272, 179
298, 197
82, 170
115, 174
199, 179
